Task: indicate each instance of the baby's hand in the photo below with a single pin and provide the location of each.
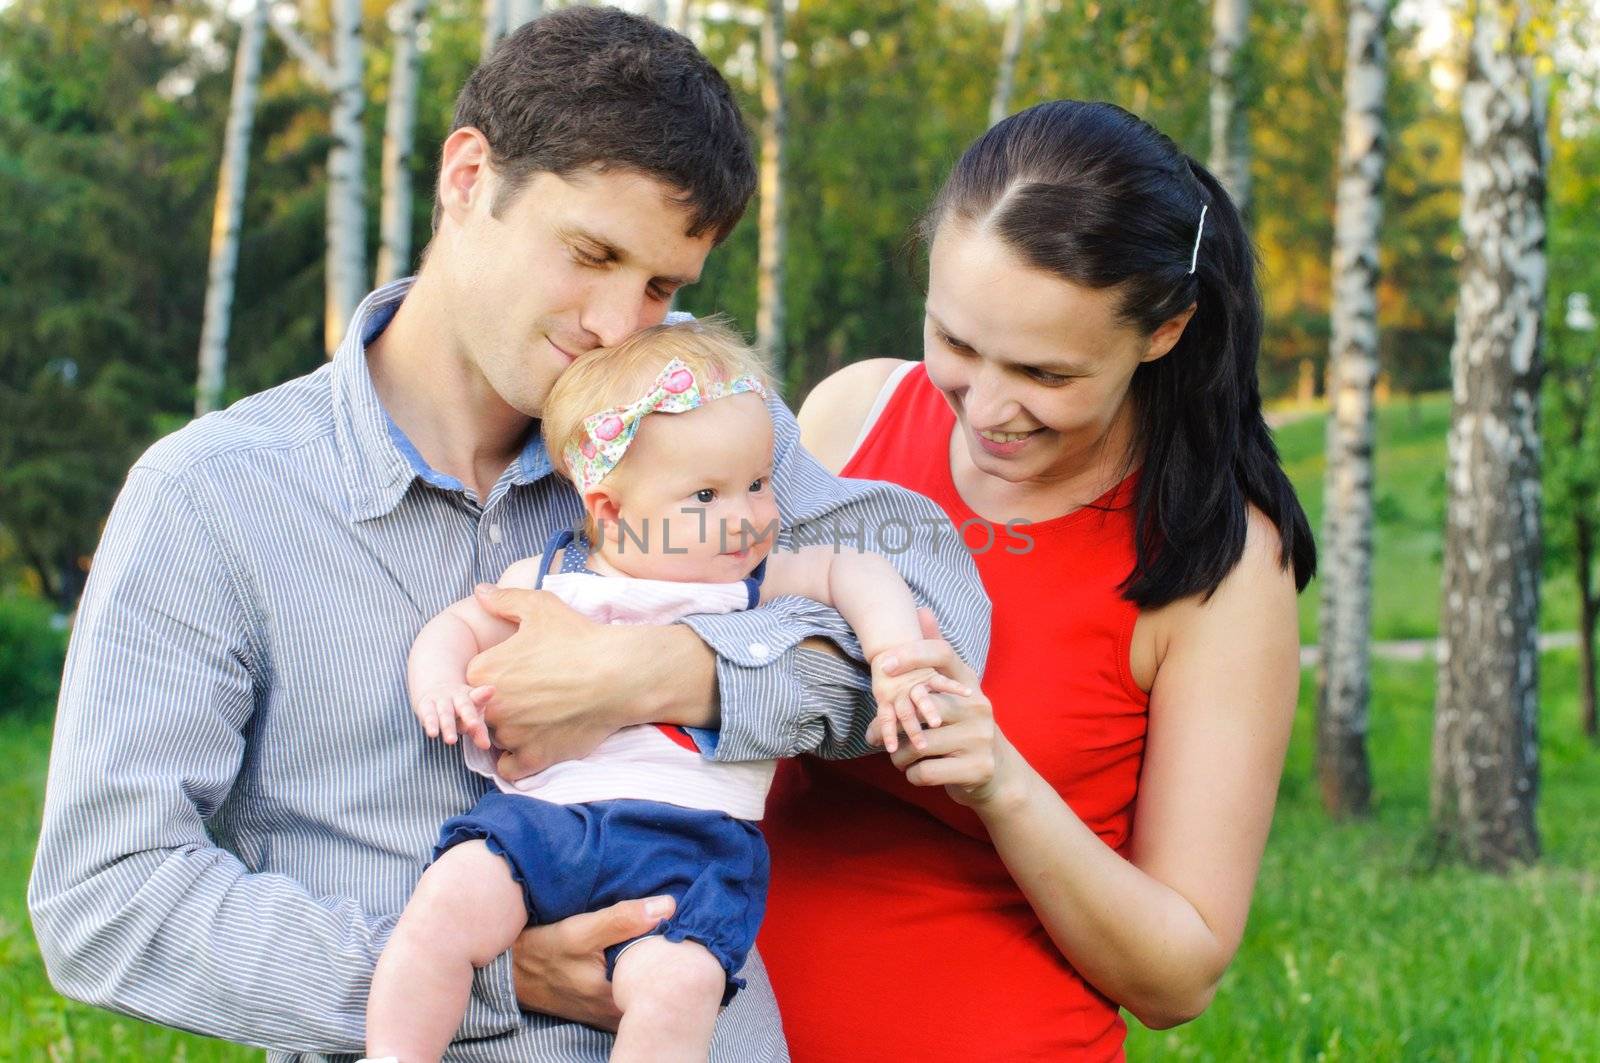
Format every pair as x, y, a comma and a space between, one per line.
905, 703
451, 707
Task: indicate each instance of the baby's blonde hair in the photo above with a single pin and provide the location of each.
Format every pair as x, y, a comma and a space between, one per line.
618, 375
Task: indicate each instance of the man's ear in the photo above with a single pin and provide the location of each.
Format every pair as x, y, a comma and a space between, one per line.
1167, 334
466, 174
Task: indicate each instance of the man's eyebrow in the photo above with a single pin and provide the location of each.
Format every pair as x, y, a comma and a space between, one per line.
609, 251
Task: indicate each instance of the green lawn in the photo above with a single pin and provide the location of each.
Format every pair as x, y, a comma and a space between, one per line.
35, 1023
1359, 948
1408, 547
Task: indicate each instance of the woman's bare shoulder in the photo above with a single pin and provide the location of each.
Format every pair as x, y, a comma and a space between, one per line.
833, 413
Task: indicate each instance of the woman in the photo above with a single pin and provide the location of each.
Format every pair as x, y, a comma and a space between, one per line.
1084, 833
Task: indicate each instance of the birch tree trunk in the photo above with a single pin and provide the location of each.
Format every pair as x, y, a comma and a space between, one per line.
495, 17
1485, 748
227, 217
769, 282
1230, 136
399, 134
522, 11
685, 16
347, 222
1346, 620
658, 11
1000, 102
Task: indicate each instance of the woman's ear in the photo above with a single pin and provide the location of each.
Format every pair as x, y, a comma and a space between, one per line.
1167, 334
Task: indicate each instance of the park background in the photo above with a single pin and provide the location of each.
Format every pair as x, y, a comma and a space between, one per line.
1371, 936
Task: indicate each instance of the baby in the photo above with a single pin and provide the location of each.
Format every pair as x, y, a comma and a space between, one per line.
681, 519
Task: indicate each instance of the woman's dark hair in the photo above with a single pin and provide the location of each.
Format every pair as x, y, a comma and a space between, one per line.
594, 86
1100, 198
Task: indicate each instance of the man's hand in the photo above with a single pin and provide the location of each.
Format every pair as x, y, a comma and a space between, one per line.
557, 681
560, 969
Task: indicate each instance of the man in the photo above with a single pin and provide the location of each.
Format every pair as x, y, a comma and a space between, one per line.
240, 800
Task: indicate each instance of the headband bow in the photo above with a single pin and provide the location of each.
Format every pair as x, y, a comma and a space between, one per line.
607, 434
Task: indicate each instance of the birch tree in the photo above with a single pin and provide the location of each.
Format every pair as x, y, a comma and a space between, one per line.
1346, 620
399, 137
770, 272
1230, 138
1485, 741
521, 11
685, 17
227, 217
347, 200
1000, 102
495, 17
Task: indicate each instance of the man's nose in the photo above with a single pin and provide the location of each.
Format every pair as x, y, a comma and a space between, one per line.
614, 313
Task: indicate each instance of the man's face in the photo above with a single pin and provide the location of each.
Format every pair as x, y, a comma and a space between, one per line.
571, 264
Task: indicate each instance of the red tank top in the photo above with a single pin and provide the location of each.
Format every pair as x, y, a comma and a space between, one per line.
893, 931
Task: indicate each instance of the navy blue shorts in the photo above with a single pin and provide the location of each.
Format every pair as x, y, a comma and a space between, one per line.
581, 858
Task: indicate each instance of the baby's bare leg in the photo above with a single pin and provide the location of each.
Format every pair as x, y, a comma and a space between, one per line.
669, 993
466, 910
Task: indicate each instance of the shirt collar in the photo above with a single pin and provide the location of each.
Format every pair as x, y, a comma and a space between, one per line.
378, 462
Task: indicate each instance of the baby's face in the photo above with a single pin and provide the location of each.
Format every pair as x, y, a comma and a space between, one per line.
695, 494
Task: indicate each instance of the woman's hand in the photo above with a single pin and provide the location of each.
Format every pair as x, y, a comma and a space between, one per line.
966, 754
560, 969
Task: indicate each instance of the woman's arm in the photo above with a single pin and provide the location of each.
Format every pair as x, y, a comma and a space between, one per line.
1156, 931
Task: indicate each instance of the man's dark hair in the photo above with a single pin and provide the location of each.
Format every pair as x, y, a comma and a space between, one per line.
596, 87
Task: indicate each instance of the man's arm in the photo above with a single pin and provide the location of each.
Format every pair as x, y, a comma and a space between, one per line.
778, 695
135, 907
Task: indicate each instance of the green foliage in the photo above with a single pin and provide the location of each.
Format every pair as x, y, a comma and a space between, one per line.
32, 649
1572, 381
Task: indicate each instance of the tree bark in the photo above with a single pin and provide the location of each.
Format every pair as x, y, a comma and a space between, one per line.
1000, 102
227, 218
1486, 753
770, 271
399, 134
520, 12
1230, 139
1346, 619
347, 221
495, 17
685, 16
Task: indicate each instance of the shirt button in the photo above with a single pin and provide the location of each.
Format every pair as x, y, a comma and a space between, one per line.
494, 534
759, 650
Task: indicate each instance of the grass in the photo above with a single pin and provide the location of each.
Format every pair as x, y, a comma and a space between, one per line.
1360, 946
35, 1022
1408, 550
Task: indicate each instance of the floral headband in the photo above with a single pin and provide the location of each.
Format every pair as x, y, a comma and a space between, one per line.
608, 433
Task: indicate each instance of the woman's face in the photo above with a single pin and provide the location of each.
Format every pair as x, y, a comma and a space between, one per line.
1037, 369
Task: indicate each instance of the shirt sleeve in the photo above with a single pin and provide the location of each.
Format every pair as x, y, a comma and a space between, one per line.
779, 699
135, 907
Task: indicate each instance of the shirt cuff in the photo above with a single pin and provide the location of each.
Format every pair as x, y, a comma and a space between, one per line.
776, 699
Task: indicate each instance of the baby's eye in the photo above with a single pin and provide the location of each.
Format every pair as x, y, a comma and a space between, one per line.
705, 496
757, 485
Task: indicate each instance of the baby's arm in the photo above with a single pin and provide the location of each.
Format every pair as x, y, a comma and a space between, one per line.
436, 672
875, 601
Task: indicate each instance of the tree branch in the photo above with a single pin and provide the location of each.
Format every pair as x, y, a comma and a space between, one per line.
316, 67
